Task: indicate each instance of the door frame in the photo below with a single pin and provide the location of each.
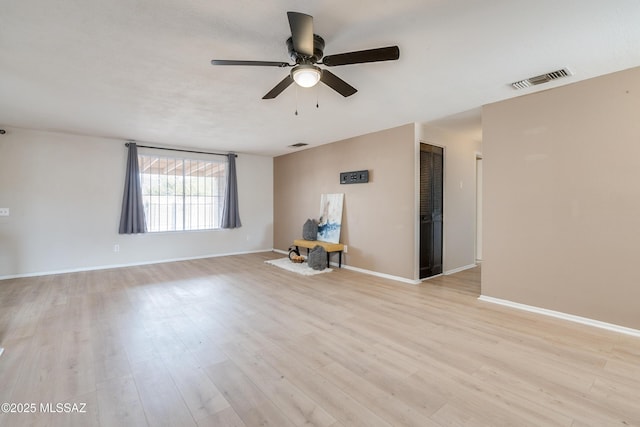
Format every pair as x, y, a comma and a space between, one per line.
416, 192
479, 169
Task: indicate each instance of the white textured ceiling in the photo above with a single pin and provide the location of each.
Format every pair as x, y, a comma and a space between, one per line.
140, 69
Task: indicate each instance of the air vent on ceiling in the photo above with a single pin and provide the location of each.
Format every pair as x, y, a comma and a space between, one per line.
298, 145
543, 78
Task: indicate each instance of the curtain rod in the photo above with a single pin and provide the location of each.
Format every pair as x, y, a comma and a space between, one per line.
126, 144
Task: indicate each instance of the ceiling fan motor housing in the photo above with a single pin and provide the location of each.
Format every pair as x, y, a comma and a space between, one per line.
318, 51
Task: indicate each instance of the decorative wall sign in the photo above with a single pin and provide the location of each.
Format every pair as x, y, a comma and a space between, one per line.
355, 177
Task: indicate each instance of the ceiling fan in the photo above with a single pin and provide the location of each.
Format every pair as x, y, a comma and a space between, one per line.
306, 49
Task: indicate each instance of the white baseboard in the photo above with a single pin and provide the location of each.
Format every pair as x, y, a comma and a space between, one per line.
561, 315
435, 276
448, 272
377, 274
459, 269
364, 271
133, 264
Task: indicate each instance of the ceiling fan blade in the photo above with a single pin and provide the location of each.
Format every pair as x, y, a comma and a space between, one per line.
251, 63
301, 32
277, 90
389, 53
337, 84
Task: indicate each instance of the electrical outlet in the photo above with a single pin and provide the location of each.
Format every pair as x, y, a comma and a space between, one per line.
346, 249
4, 211
116, 248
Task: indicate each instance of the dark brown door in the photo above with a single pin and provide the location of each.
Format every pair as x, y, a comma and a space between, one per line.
431, 200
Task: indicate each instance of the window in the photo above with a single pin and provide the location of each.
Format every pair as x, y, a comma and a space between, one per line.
182, 194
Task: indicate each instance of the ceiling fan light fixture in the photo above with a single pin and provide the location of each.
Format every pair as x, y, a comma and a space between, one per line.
306, 75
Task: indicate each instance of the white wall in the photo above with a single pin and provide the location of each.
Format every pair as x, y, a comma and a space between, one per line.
459, 194
64, 192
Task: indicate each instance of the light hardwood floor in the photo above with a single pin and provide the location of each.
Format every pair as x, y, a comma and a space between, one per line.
235, 342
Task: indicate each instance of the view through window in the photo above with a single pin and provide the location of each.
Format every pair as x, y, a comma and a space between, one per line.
182, 194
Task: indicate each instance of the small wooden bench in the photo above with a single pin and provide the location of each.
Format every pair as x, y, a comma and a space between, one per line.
329, 247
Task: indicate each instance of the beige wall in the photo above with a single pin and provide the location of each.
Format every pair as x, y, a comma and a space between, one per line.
65, 193
562, 199
378, 222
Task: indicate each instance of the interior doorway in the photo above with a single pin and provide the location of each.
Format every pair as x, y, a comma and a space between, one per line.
431, 206
478, 208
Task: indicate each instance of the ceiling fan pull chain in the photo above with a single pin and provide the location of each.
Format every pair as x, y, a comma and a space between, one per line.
317, 96
296, 100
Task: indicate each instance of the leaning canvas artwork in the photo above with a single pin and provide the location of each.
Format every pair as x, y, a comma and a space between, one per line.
330, 220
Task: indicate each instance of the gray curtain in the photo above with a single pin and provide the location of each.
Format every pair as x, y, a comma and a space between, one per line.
132, 216
230, 212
